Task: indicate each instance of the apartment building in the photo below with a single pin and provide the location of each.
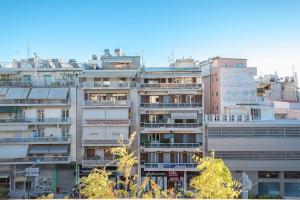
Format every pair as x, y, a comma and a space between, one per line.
37, 115
170, 123
229, 88
107, 93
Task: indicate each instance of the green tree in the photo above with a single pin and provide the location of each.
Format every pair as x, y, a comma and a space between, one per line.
215, 180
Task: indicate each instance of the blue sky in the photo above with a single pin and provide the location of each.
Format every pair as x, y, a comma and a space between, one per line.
267, 32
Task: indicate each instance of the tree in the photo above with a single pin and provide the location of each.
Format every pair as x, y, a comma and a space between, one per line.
215, 180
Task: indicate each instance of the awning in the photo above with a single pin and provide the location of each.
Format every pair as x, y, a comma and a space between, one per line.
17, 93
35, 149
59, 148
58, 93
38, 93
13, 151
3, 91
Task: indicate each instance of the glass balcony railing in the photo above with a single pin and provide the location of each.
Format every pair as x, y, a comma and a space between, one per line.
63, 120
40, 159
173, 145
105, 103
34, 102
171, 165
170, 125
35, 140
171, 105
94, 161
171, 85
107, 84
37, 83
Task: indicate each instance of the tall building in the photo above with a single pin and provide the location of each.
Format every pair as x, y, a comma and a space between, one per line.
107, 99
37, 126
170, 123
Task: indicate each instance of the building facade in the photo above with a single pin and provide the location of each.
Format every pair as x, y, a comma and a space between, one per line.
61, 118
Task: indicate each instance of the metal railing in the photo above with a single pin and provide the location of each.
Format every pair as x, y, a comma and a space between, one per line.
173, 145
170, 125
34, 102
170, 105
171, 85
57, 83
101, 142
98, 161
105, 103
107, 85
171, 165
37, 120
35, 139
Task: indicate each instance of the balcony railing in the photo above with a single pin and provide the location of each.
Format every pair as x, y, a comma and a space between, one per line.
107, 85
105, 103
40, 159
171, 105
35, 140
103, 142
94, 161
173, 145
34, 102
63, 120
171, 85
171, 165
170, 125
37, 83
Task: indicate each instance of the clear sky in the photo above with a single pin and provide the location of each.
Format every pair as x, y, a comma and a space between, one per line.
267, 32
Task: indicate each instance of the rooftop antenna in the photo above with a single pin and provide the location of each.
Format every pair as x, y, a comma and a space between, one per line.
28, 50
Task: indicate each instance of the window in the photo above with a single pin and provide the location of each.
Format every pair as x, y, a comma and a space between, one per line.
27, 78
65, 132
90, 153
217, 107
65, 113
154, 137
217, 93
271, 188
292, 189
93, 133
256, 113
154, 99
40, 132
292, 175
267, 174
122, 79
47, 78
212, 94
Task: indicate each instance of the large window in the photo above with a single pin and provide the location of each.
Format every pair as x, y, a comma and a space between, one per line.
292, 175
292, 189
256, 113
267, 174
272, 188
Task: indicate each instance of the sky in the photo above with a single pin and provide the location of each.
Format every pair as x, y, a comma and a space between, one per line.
266, 32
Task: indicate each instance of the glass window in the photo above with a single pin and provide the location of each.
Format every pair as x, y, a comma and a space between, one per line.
292, 189
292, 175
271, 189
267, 174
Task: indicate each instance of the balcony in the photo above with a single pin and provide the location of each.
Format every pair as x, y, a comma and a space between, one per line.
31, 102
170, 126
168, 147
105, 103
40, 159
103, 142
36, 140
107, 85
59, 120
171, 105
97, 161
170, 166
171, 85
37, 83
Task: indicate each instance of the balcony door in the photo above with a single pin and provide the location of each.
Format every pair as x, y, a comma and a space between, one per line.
90, 153
40, 115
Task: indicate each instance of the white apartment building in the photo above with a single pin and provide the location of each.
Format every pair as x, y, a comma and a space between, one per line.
170, 124
107, 93
37, 129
